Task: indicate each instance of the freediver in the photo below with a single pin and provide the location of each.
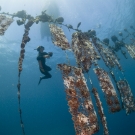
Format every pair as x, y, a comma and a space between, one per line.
41, 58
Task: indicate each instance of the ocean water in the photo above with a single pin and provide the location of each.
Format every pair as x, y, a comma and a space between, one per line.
44, 107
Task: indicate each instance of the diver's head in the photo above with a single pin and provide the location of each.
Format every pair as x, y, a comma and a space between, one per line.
40, 48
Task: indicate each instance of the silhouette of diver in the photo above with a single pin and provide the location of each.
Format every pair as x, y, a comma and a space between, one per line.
44, 69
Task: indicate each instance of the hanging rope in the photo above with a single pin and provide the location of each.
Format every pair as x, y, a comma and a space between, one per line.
126, 96
68, 61
5, 22
19, 107
25, 39
90, 80
79, 100
109, 90
100, 111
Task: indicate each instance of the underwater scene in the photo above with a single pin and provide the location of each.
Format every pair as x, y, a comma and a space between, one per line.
67, 67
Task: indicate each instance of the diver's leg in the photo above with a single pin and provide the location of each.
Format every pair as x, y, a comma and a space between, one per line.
41, 76
47, 68
39, 80
47, 75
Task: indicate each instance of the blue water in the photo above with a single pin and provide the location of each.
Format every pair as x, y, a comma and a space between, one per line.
44, 107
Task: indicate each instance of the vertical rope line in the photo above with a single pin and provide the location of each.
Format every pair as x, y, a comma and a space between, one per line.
68, 61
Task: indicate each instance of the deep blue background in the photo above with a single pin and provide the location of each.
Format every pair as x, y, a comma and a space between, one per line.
44, 107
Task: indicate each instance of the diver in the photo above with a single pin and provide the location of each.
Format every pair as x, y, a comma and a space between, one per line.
44, 69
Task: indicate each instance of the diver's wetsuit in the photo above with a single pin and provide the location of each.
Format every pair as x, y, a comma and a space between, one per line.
46, 68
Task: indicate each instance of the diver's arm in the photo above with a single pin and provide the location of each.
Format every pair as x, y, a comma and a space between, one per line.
46, 56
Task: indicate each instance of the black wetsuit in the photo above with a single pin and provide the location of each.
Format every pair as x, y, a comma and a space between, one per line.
46, 68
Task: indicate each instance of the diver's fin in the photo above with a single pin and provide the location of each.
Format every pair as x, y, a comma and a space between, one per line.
39, 80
